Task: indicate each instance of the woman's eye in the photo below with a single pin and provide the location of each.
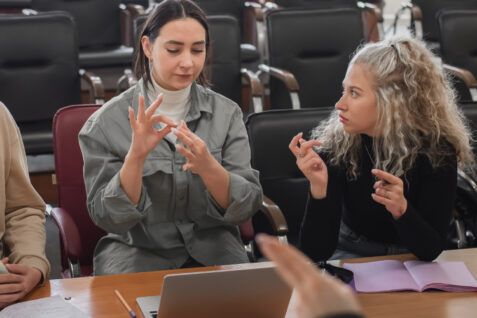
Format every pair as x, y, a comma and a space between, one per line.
172, 51
197, 51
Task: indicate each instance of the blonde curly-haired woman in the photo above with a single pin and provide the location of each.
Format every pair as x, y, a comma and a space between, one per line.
383, 176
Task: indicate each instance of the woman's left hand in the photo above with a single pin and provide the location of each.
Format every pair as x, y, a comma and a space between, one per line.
389, 191
199, 158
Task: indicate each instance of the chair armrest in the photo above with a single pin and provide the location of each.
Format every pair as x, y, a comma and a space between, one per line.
416, 12
255, 9
96, 88
69, 234
129, 12
373, 21
252, 79
465, 76
275, 216
288, 79
127, 80
256, 89
372, 9
416, 18
285, 76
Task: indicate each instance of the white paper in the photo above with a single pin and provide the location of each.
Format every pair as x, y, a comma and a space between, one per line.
54, 306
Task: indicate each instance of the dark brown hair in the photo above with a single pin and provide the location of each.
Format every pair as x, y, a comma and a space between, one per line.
163, 13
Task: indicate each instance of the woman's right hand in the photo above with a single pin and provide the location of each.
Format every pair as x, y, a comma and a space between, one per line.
145, 137
310, 164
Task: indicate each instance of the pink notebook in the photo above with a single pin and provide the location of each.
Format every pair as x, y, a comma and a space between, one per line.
392, 275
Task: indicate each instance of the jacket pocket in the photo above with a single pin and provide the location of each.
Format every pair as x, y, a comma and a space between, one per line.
155, 164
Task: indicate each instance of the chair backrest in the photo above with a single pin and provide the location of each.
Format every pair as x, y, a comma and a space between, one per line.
316, 4
458, 43
38, 72
314, 45
225, 65
98, 21
67, 123
269, 133
458, 39
234, 8
143, 3
14, 6
430, 9
224, 70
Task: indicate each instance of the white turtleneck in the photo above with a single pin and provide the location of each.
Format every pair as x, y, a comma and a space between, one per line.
175, 104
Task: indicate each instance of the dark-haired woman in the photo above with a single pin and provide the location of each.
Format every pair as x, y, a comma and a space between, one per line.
167, 162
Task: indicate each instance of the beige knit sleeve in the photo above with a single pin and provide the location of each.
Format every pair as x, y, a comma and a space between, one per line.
24, 208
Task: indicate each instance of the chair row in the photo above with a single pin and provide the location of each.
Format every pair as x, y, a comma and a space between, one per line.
49, 63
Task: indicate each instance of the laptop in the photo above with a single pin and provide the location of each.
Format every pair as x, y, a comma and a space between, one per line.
231, 293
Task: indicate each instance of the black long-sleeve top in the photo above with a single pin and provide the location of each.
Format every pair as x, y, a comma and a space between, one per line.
422, 228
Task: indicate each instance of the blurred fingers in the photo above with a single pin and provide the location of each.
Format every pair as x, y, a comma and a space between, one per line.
141, 110
293, 266
154, 106
293, 146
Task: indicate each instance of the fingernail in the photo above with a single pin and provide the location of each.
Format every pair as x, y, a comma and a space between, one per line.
174, 130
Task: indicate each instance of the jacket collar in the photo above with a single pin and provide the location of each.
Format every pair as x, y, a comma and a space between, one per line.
199, 101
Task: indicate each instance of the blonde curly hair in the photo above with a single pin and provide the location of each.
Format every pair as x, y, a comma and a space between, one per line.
417, 112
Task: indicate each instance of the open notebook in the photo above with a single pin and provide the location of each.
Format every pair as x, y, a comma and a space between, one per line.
392, 275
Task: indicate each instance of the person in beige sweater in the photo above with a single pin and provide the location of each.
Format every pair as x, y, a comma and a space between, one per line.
22, 218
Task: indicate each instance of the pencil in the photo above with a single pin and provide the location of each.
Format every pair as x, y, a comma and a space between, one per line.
131, 312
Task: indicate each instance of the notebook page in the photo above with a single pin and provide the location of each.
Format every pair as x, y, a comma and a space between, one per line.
448, 276
54, 306
381, 276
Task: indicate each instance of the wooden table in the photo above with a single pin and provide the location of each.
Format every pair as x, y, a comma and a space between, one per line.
95, 295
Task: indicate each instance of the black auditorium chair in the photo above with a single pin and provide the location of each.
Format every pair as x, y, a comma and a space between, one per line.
372, 17
458, 42
424, 15
101, 35
224, 71
39, 73
270, 133
309, 53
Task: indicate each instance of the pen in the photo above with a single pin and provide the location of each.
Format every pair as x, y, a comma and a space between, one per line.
131, 312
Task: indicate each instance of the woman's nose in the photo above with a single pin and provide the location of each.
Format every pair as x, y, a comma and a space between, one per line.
340, 104
186, 60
